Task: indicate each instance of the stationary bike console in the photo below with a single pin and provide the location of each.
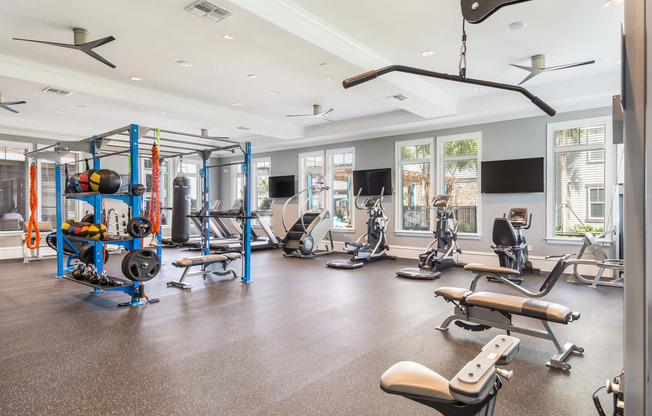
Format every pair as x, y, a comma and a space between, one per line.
519, 218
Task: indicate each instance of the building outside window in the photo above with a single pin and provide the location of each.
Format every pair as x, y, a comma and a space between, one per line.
262, 170
164, 178
340, 164
459, 162
579, 161
191, 169
414, 164
48, 198
13, 186
311, 172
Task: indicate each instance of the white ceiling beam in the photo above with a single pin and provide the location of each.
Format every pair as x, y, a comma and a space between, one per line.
427, 100
194, 110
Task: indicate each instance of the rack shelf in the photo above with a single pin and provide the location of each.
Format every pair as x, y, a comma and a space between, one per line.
108, 240
123, 283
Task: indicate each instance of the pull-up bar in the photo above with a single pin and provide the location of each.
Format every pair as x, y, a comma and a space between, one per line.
368, 76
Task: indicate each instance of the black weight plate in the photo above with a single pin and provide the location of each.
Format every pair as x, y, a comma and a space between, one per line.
139, 227
90, 218
87, 254
138, 189
141, 265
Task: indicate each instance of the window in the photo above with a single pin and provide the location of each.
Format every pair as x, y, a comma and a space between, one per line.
459, 161
48, 198
340, 179
163, 185
311, 171
414, 164
14, 182
191, 169
262, 170
578, 174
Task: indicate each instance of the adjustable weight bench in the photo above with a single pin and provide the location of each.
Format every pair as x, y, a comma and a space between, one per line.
479, 311
212, 264
472, 392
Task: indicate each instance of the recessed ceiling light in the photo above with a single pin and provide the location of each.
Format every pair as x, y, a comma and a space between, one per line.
58, 112
517, 25
328, 79
427, 53
236, 104
162, 112
184, 64
610, 3
275, 93
251, 76
227, 37
135, 78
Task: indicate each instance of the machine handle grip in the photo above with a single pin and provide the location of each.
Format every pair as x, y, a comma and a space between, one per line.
506, 374
359, 79
545, 107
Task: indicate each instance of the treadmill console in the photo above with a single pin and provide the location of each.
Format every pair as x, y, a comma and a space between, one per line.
518, 217
371, 202
266, 205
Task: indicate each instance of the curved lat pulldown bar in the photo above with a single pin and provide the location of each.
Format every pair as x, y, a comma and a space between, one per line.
368, 76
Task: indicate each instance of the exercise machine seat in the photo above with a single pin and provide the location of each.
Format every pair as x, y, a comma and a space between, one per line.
231, 256
503, 233
453, 293
532, 308
480, 268
413, 379
197, 261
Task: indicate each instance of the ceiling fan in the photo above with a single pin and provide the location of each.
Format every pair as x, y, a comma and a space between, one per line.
316, 112
539, 66
6, 105
82, 43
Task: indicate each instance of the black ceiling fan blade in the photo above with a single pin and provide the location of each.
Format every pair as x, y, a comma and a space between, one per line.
96, 43
14, 102
61, 45
323, 113
299, 115
97, 56
8, 108
556, 68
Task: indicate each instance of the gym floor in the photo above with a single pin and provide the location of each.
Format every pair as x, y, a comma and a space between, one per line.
301, 340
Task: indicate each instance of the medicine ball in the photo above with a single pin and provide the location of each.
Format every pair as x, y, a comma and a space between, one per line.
84, 230
96, 232
66, 226
71, 187
105, 181
84, 181
79, 229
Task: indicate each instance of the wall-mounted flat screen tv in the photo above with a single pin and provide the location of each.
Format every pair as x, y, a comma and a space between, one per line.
372, 181
513, 176
281, 186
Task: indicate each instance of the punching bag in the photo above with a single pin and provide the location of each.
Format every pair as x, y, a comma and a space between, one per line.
180, 209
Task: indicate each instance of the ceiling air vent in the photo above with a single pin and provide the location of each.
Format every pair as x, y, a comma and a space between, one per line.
57, 91
399, 97
209, 11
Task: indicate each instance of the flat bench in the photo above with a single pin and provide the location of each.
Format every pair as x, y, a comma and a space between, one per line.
212, 264
478, 311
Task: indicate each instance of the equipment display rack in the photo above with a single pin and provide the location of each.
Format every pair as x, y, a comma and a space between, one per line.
131, 141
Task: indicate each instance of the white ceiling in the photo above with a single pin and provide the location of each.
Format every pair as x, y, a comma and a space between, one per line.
293, 47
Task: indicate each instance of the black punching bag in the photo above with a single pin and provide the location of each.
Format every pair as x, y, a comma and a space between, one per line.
180, 209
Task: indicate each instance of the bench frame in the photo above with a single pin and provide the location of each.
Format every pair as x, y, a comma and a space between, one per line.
207, 269
503, 320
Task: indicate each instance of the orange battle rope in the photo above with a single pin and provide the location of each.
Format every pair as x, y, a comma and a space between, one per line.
32, 225
155, 205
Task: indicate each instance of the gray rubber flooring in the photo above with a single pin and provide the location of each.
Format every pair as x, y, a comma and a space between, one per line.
301, 340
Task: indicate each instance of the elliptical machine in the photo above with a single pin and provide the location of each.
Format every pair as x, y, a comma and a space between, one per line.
376, 246
444, 251
312, 226
509, 242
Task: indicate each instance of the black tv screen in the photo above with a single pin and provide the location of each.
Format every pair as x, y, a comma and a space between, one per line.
512, 176
372, 181
281, 186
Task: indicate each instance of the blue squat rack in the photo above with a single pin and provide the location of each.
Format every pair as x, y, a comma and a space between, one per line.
127, 141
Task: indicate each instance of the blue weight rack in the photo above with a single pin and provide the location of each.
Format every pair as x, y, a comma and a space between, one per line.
127, 141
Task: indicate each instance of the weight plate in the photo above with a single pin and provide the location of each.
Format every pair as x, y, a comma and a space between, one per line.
138, 189
88, 218
141, 265
139, 227
87, 254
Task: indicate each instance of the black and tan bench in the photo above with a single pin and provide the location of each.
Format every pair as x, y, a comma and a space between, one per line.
478, 311
213, 264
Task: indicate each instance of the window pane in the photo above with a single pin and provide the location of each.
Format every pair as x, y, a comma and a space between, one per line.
421, 151
580, 136
12, 188
415, 187
48, 200
577, 183
189, 168
462, 147
461, 180
596, 156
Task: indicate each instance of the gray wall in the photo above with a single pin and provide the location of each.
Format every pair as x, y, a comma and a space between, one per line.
502, 140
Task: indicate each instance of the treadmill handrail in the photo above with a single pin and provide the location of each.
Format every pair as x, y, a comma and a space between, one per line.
368, 76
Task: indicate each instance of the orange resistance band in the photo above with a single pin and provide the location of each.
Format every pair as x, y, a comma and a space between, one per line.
32, 226
155, 205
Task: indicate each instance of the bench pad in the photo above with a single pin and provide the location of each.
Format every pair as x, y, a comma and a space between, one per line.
453, 293
198, 261
408, 377
481, 268
518, 305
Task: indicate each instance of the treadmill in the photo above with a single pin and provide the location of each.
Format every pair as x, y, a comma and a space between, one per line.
258, 242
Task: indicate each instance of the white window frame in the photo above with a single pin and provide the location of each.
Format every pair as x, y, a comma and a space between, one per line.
441, 159
330, 183
254, 178
197, 162
302, 178
28, 147
589, 202
398, 166
550, 175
